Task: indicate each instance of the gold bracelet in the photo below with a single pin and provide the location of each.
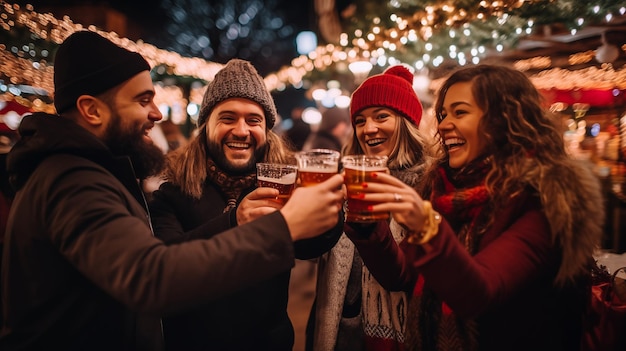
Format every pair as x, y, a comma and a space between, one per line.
430, 228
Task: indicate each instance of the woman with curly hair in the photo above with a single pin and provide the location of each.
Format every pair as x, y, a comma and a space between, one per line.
498, 258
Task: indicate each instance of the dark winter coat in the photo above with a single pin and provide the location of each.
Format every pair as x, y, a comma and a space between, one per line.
82, 270
253, 318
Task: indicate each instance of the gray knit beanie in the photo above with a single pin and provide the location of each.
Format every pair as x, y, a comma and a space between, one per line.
238, 79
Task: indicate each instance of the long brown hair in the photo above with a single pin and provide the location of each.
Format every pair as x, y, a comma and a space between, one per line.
187, 166
514, 124
527, 148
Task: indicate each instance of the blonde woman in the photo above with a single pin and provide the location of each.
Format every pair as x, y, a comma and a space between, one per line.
352, 311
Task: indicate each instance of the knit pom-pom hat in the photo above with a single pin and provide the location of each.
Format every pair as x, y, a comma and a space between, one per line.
393, 89
238, 79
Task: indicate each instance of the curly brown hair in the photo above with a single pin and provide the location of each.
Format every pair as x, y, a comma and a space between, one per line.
514, 123
527, 148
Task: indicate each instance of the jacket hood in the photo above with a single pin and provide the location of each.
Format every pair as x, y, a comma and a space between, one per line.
573, 202
43, 135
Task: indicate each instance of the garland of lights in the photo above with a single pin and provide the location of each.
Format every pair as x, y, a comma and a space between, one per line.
46, 27
30, 37
429, 32
423, 33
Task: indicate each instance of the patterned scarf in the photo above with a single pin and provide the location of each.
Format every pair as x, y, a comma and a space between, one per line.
384, 312
231, 186
460, 196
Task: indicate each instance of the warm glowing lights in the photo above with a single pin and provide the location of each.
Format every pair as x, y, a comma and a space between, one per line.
46, 26
438, 32
587, 78
539, 62
494, 24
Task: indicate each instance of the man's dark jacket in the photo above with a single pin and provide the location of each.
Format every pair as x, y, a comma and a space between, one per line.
254, 318
81, 268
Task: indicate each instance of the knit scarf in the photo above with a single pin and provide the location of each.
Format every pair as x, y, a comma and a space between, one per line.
384, 312
410, 176
231, 186
461, 197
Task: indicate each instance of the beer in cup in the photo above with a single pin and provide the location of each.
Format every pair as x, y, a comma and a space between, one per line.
317, 165
277, 176
358, 170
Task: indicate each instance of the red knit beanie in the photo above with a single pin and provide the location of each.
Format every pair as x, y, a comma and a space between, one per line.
393, 89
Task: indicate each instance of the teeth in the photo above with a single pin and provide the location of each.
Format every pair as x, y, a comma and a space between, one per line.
238, 145
453, 141
375, 141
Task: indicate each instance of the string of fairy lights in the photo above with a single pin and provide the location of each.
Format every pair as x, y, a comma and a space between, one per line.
430, 33
422, 33
29, 65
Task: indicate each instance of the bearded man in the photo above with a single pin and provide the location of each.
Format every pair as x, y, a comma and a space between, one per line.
81, 267
211, 183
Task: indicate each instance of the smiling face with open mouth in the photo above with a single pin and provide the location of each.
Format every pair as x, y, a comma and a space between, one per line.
237, 127
459, 125
375, 128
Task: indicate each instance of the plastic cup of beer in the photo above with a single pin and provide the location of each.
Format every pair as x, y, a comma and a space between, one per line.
358, 169
317, 165
278, 176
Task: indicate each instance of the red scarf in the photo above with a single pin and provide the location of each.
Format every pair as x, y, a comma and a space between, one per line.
460, 196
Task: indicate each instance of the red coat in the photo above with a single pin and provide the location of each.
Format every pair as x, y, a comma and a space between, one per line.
507, 287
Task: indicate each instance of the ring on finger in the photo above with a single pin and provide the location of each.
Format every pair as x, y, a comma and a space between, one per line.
397, 197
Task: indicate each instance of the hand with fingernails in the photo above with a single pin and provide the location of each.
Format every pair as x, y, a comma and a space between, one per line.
397, 198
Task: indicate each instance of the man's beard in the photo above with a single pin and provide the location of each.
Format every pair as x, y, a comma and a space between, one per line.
147, 159
216, 152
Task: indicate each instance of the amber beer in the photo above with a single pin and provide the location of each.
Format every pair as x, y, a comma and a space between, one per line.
312, 176
277, 176
358, 170
316, 166
284, 186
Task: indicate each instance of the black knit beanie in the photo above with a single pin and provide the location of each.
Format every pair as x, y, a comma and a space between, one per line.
88, 64
238, 79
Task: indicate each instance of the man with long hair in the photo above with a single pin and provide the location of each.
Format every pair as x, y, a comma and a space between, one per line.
211, 184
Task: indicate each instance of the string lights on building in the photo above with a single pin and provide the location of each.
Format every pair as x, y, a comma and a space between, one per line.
422, 33
28, 63
429, 33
